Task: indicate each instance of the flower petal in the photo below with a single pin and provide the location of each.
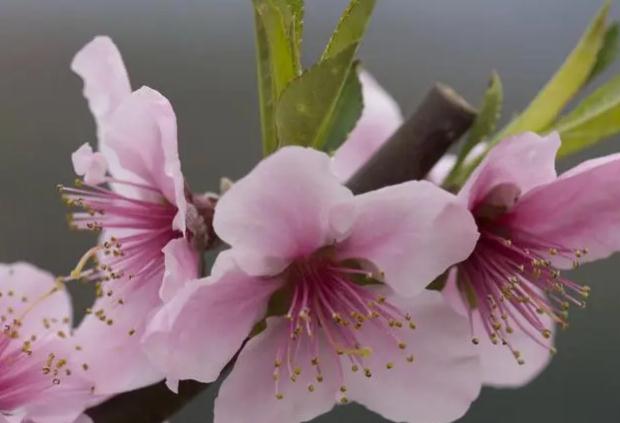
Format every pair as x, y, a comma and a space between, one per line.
106, 82
412, 232
248, 393
181, 266
142, 132
525, 160
197, 332
120, 320
281, 209
92, 166
442, 169
578, 210
32, 293
444, 378
499, 367
380, 117
106, 85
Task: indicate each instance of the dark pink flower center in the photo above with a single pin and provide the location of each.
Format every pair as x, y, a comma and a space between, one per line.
330, 301
511, 280
136, 228
25, 375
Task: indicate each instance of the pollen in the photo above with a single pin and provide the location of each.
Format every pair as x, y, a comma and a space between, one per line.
329, 305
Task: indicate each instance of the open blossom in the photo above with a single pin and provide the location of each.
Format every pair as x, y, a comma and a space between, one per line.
380, 117
39, 380
134, 193
343, 278
532, 224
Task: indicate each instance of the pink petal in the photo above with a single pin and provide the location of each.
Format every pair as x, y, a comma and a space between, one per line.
106, 85
578, 210
100, 340
248, 393
44, 312
197, 332
280, 210
33, 293
142, 132
106, 82
181, 266
444, 378
499, 367
412, 232
441, 169
380, 118
525, 160
92, 166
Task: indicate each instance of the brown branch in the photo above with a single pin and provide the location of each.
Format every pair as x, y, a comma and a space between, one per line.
442, 118
409, 154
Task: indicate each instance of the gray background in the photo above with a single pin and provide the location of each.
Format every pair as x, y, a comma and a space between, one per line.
200, 55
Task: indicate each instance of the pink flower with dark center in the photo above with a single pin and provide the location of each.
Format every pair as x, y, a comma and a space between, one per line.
134, 193
343, 279
532, 224
39, 378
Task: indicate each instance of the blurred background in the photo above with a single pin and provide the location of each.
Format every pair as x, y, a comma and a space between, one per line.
200, 55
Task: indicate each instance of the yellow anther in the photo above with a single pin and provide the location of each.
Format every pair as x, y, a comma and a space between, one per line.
363, 352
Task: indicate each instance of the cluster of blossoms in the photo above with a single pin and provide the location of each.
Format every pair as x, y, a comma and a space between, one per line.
323, 294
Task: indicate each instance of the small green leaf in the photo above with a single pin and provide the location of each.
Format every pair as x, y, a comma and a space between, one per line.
595, 118
608, 52
277, 60
292, 12
347, 112
350, 28
566, 82
309, 107
483, 126
487, 117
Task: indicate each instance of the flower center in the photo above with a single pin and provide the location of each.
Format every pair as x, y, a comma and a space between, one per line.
138, 229
330, 298
511, 280
26, 372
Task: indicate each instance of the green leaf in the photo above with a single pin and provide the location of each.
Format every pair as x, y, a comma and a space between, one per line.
292, 12
566, 82
277, 58
483, 126
310, 106
608, 52
595, 118
487, 117
347, 111
350, 28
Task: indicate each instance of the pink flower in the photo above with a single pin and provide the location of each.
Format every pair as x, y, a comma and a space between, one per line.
381, 116
344, 277
145, 251
532, 224
39, 379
